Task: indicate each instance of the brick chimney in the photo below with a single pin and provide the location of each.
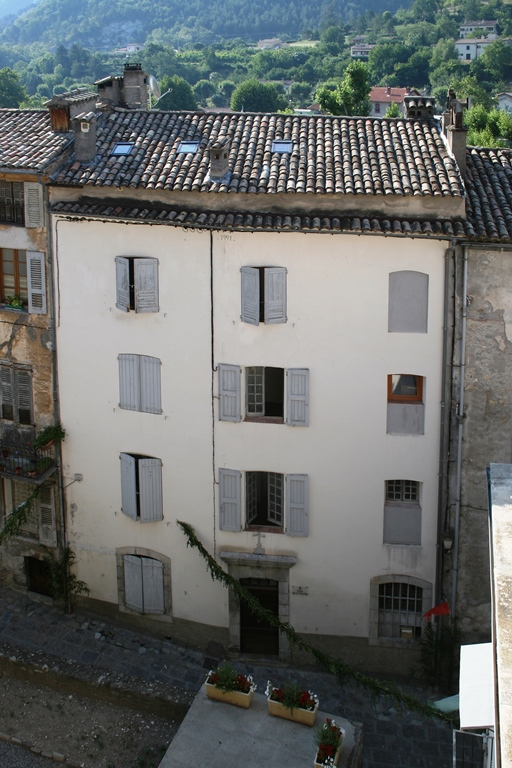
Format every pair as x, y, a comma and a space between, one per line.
128, 90
219, 158
419, 106
84, 126
454, 129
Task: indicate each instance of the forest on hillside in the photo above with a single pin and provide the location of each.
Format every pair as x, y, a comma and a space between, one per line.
106, 24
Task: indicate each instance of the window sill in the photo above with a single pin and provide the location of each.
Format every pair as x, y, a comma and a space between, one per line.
265, 419
265, 528
8, 308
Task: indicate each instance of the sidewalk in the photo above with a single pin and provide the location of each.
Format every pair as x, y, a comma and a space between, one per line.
93, 649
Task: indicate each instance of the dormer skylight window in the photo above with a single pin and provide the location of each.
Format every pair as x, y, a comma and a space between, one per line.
279, 145
122, 148
188, 147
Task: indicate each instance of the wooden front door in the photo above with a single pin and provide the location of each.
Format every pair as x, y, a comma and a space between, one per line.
257, 635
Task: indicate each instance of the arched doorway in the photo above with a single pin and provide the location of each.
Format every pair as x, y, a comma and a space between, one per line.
256, 634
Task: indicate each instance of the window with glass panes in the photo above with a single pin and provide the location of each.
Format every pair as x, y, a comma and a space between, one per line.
13, 274
400, 610
12, 202
402, 490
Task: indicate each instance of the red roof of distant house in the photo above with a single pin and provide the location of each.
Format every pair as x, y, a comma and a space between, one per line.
391, 94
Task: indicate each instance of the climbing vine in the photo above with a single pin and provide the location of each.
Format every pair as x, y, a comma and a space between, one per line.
16, 519
342, 671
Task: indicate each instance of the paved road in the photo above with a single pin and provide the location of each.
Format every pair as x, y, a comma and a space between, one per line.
81, 645
17, 757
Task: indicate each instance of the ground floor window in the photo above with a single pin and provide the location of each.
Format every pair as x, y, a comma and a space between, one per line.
144, 584
397, 603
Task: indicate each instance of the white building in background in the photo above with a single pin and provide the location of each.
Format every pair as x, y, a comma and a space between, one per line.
489, 27
472, 48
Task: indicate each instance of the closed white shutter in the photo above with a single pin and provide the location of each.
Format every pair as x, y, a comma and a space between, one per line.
36, 283
297, 397
128, 485
133, 583
47, 527
152, 585
122, 283
229, 392
34, 211
297, 505
129, 382
275, 295
146, 285
150, 389
229, 500
250, 295
150, 490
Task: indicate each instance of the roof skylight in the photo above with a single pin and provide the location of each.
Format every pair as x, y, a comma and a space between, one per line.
186, 147
122, 148
280, 145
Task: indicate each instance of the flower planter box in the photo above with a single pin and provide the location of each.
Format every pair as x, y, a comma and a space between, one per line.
297, 715
237, 698
336, 758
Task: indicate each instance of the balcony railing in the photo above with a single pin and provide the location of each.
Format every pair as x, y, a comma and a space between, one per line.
18, 458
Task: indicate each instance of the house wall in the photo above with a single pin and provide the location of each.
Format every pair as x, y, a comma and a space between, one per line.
337, 327
337, 291
486, 426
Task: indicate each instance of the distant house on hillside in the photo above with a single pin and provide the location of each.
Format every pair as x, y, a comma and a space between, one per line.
271, 42
130, 48
489, 27
361, 51
472, 48
381, 98
505, 101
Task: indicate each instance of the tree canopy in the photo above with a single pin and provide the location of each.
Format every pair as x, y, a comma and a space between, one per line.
12, 93
253, 96
350, 97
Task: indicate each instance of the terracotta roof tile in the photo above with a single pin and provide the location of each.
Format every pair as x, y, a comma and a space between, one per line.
330, 155
27, 141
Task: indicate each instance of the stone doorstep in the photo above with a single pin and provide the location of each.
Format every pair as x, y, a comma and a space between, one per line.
218, 735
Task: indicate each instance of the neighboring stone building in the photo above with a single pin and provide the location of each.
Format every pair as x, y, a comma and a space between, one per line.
29, 150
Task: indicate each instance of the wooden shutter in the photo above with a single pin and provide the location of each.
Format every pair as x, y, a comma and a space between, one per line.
6, 382
36, 283
152, 585
229, 392
34, 212
275, 498
229, 500
122, 283
250, 295
297, 397
133, 583
275, 295
297, 505
128, 485
129, 382
146, 285
47, 527
251, 497
150, 389
23, 381
150, 490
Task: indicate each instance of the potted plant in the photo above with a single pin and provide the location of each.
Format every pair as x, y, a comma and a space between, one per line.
292, 703
49, 435
43, 465
328, 740
16, 302
225, 684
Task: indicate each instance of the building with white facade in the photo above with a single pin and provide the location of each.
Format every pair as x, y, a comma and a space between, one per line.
472, 48
489, 27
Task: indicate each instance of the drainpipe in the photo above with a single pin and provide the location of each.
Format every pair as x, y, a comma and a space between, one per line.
442, 441
460, 420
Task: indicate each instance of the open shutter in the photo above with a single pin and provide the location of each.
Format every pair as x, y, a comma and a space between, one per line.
229, 392
275, 295
229, 498
250, 295
150, 490
297, 505
146, 285
47, 528
6, 376
36, 283
150, 390
133, 583
34, 213
128, 485
24, 395
297, 397
122, 283
152, 585
129, 382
